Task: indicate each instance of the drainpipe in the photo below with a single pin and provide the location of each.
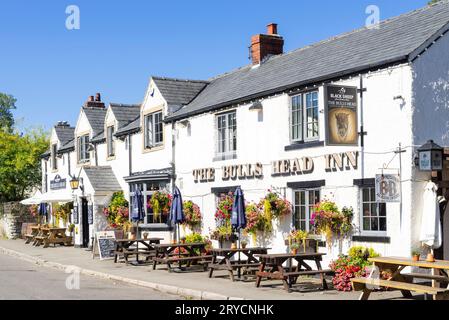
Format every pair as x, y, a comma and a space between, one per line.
130, 161
173, 154
96, 156
68, 160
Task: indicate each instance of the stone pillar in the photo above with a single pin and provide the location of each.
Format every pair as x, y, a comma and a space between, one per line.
12, 216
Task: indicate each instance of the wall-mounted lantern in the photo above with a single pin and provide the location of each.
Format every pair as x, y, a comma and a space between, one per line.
430, 157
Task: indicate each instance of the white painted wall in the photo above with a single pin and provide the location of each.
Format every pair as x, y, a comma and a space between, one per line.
386, 121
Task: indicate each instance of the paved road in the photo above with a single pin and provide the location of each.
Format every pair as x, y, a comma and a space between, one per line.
23, 280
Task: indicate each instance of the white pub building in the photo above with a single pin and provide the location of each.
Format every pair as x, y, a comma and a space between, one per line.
319, 122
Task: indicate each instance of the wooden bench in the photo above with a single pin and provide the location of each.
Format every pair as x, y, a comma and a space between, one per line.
411, 276
173, 259
368, 285
29, 238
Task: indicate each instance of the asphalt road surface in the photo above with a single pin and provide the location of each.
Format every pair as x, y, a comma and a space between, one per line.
22, 280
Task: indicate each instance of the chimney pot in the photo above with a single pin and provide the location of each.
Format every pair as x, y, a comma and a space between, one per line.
272, 28
90, 99
98, 97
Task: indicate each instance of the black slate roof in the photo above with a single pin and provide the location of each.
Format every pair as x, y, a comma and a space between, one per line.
397, 39
178, 92
69, 146
99, 138
96, 117
64, 133
125, 113
132, 127
102, 179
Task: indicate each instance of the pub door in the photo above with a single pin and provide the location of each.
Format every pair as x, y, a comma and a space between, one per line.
85, 223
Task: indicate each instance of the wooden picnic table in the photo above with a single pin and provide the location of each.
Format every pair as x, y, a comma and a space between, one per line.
222, 260
187, 253
128, 247
404, 281
272, 267
50, 235
30, 237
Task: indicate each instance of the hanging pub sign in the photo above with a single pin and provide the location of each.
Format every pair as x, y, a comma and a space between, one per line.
58, 183
341, 115
388, 188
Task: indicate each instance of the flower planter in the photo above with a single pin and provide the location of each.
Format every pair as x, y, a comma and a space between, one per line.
310, 247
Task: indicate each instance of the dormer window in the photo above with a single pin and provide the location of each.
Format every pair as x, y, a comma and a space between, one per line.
54, 160
83, 149
110, 141
153, 130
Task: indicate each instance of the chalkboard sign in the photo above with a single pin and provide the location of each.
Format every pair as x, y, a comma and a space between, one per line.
90, 214
75, 215
106, 244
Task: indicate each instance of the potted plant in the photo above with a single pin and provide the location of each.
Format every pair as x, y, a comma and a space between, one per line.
234, 246
430, 258
416, 254
145, 235
294, 248
183, 240
244, 244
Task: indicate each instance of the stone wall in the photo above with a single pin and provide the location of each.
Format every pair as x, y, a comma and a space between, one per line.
12, 216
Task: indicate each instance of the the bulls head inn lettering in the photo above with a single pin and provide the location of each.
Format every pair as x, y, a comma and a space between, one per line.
298, 166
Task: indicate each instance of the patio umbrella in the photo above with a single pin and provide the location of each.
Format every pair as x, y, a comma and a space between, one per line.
238, 217
431, 234
42, 210
176, 211
138, 211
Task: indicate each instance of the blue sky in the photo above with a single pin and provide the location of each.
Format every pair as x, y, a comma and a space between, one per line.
52, 70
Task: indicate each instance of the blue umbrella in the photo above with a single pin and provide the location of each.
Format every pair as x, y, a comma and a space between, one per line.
42, 210
238, 216
176, 210
137, 213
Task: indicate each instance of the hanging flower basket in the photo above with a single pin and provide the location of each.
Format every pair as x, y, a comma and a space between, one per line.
160, 202
329, 221
117, 213
256, 221
192, 215
275, 207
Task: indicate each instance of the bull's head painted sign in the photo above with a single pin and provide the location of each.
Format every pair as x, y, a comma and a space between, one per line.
341, 108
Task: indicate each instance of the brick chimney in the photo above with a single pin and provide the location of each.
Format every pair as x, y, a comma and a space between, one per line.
265, 45
94, 102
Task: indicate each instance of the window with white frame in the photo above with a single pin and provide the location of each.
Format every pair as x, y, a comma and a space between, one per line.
374, 214
148, 188
304, 111
226, 134
303, 203
54, 160
83, 148
153, 130
110, 141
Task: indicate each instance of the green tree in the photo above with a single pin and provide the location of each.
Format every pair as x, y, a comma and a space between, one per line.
434, 1
20, 167
7, 103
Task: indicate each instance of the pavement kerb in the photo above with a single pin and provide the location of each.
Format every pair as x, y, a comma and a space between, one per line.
192, 293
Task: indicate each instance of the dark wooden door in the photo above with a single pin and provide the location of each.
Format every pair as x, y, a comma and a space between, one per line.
85, 222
